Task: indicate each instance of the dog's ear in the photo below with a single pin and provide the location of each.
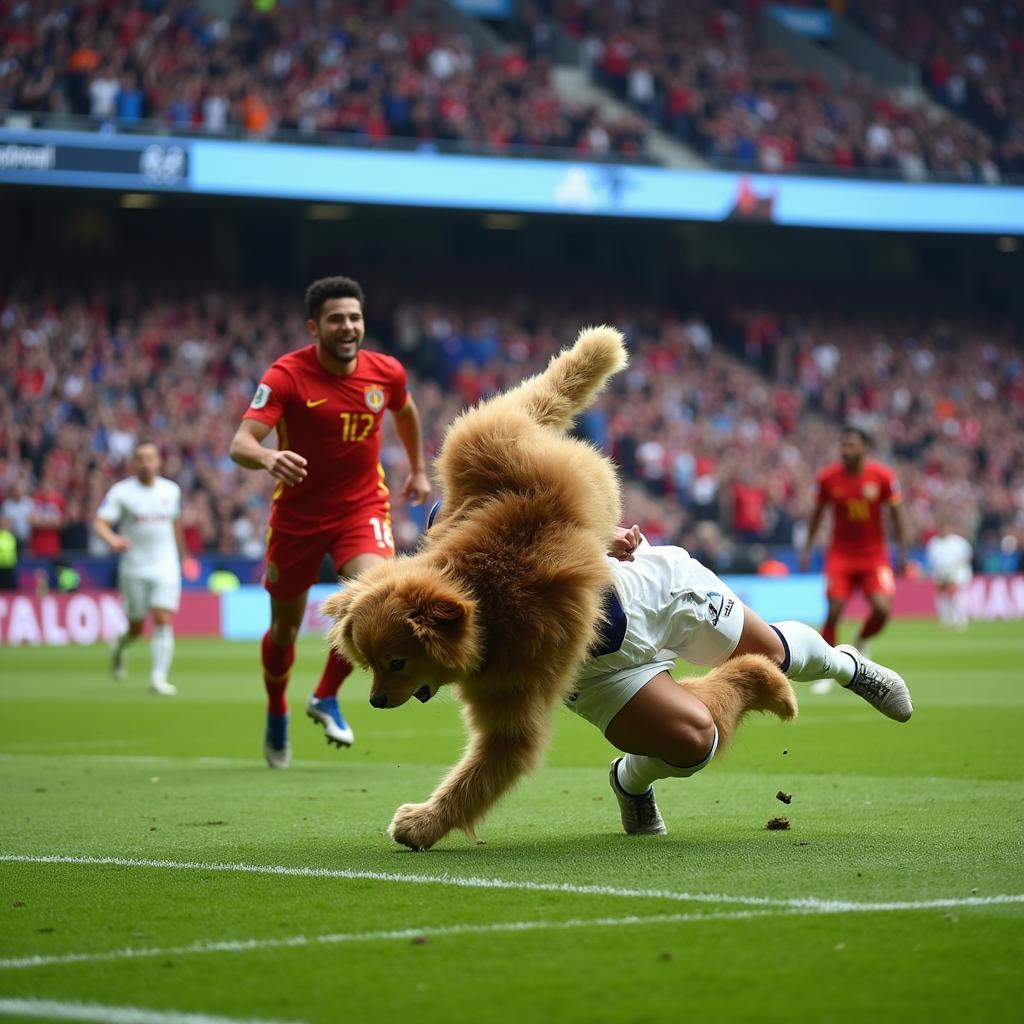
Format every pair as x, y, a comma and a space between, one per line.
446, 626
339, 606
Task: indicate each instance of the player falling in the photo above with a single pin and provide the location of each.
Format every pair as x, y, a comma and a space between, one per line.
857, 488
327, 402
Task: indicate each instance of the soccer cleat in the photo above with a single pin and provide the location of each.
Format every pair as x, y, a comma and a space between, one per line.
276, 748
640, 814
162, 688
325, 712
882, 688
117, 669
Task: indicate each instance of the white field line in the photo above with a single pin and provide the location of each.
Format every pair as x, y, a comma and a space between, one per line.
810, 904
52, 1009
302, 941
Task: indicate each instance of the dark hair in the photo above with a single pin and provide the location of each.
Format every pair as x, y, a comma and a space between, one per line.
852, 428
331, 288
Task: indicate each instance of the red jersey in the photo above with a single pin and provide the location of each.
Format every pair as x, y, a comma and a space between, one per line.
333, 422
857, 499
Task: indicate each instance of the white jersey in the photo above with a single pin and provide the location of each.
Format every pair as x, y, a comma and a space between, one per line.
949, 559
145, 515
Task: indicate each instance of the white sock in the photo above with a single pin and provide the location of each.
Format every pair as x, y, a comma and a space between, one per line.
161, 649
810, 657
636, 772
943, 606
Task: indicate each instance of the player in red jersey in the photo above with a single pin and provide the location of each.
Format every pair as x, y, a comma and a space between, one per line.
857, 488
327, 402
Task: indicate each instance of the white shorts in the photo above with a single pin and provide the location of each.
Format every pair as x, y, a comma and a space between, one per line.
674, 607
141, 595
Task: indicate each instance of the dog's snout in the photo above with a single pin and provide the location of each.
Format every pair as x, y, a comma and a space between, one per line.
379, 700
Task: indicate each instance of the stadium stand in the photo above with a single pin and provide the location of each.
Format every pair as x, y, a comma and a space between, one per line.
719, 425
702, 71
368, 71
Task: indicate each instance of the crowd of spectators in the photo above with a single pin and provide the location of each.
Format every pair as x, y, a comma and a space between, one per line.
971, 56
702, 71
376, 71
718, 430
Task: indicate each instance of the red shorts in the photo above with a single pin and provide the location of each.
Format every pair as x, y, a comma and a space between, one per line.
844, 578
292, 562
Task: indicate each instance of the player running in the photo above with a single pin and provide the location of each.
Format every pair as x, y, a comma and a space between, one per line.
146, 510
327, 402
857, 488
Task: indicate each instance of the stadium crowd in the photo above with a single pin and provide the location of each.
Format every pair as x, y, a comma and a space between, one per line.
719, 430
373, 70
701, 71
971, 56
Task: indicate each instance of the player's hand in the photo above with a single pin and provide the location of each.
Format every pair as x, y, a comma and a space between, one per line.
190, 569
119, 545
417, 487
625, 542
288, 467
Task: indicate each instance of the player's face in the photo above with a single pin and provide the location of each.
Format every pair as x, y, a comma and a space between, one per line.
851, 450
340, 329
147, 463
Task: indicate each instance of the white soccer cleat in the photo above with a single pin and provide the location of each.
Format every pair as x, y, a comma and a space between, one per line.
822, 686
640, 815
325, 712
162, 688
882, 688
117, 669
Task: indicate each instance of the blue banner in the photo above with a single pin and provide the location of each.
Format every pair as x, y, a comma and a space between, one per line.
428, 179
812, 22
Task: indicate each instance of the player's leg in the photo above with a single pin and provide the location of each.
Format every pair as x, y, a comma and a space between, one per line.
879, 585
161, 650
134, 599
943, 603
958, 605
164, 600
363, 543
664, 732
292, 564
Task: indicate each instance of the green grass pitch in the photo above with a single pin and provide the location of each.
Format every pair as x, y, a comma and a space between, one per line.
140, 838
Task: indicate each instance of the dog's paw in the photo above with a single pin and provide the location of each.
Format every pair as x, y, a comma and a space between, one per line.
417, 826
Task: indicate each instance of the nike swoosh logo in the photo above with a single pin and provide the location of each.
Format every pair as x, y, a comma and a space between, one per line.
312, 405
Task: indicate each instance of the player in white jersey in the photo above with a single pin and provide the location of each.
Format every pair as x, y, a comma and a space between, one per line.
146, 510
949, 558
666, 605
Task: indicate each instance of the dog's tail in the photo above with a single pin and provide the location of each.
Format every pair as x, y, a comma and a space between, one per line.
573, 378
747, 683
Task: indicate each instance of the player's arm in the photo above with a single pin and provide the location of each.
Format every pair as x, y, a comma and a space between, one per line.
812, 529
900, 533
247, 450
110, 536
410, 433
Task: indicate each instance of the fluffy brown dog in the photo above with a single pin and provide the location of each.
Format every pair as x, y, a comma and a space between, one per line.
505, 596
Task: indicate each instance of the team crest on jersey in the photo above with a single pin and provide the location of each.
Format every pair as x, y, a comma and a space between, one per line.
871, 491
261, 397
374, 398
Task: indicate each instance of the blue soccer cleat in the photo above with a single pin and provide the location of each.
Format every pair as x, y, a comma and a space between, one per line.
276, 748
325, 712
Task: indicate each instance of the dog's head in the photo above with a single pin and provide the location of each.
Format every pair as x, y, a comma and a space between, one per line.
414, 630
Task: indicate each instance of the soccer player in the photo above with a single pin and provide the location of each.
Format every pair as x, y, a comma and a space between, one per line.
949, 559
327, 402
146, 511
857, 488
665, 604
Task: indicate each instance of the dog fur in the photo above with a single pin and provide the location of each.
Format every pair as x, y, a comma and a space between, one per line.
505, 595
